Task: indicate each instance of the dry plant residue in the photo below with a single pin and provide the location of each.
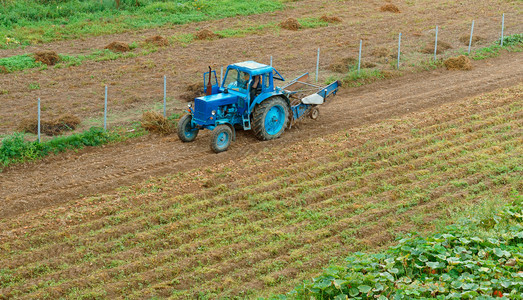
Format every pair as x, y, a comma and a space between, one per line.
475, 39
442, 47
380, 52
156, 122
192, 91
458, 63
330, 19
118, 47
342, 65
290, 24
51, 127
157, 40
390, 8
49, 58
206, 34
3, 70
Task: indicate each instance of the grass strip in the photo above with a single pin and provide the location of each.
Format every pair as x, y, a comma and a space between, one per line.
16, 149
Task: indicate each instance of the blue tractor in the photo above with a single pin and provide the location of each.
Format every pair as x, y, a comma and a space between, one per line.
248, 99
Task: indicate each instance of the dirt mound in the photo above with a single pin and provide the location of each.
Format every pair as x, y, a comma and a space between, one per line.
390, 8
330, 19
475, 39
51, 127
156, 122
192, 91
290, 24
3, 70
343, 65
367, 65
49, 58
458, 63
206, 34
442, 47
118, 47
158, 41
380, 52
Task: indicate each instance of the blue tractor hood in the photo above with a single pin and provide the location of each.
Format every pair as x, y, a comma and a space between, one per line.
203, 106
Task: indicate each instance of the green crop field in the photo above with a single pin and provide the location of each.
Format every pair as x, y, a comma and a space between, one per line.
264, 224
24, 22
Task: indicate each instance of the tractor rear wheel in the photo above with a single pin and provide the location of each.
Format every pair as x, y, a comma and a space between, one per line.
186, 132
221, 138
270, 118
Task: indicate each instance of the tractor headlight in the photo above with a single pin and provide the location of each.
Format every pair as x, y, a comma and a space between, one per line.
213, 112
189, 105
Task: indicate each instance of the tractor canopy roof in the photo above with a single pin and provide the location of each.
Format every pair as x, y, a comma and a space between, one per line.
252, 67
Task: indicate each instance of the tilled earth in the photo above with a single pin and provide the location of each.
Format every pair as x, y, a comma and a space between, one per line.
135, 84
91, 171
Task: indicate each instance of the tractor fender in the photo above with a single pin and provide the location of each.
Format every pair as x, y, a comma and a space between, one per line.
264, 96
231, 126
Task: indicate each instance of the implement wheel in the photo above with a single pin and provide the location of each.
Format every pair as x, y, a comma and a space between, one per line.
315, 113
270, 118
221, 138
186, 132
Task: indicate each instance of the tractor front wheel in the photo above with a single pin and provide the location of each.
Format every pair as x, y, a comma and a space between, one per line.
270, 118
221, 138
186, 132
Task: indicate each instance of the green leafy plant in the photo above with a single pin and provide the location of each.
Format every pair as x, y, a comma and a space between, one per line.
473, 258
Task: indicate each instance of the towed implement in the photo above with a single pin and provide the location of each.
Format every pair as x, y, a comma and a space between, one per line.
248, 99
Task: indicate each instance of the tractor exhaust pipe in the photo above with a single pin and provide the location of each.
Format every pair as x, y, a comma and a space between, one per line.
208, 90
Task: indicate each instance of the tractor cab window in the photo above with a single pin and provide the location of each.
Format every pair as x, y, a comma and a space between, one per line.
266, 82
236, 80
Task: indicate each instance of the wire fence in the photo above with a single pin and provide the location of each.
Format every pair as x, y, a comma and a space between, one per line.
318, 67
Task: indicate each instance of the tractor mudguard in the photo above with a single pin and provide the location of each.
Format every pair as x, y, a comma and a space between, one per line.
263, 96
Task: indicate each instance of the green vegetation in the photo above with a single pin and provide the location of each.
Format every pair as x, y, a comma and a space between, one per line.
312, 23
268, 221
16, 149
476, 257
27, 22
20, 62
513, 43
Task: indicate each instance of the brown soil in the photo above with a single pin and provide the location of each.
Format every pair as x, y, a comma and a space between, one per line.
95, 170
465, 39
343, 65
118, 47
390, 8
157, 40
3, 70
330, 19
51, 127
156, 122
206, 34
368, 65
442, 47
192, 91
137, 82
49, 58
290, 24
458, 63
381, 52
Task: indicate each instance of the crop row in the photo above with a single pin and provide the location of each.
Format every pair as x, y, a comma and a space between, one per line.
271, 228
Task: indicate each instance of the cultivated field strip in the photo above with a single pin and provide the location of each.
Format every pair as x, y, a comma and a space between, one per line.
280, 219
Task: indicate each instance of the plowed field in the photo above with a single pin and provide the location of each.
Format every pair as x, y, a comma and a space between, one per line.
152, 216
262, 223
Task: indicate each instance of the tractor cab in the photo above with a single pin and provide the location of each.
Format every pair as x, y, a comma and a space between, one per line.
231, 101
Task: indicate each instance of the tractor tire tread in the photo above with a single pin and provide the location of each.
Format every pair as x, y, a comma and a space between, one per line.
258, 118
